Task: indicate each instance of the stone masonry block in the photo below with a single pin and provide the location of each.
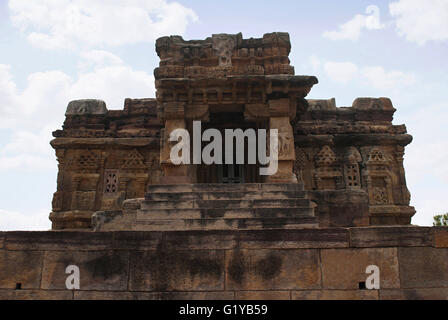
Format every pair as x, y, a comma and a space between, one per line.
423, 267
36, 295
177, 270
294, 239
441, 237
123, 295
99, 270
262, 295
58, 240
21, 268
335, 295
415, 294
345, 268
272, 269
390, 236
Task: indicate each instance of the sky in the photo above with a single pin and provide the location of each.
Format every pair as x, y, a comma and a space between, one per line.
52, 52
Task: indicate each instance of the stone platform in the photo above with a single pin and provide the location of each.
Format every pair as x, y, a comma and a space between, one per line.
247, 206
227, 264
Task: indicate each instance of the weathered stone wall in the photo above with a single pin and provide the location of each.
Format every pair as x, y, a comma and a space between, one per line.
105, 157
352, 150
267, 264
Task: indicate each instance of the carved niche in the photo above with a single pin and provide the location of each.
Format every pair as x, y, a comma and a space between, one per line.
327, 174
378, 177
84, 187
84, 167
133, 175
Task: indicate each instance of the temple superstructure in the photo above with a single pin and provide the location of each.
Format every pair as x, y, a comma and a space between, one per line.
338, 166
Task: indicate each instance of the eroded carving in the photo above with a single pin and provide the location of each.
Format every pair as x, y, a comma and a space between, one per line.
223, 45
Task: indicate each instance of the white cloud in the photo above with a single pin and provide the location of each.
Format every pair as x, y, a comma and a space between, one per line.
113, 84
345, 72
8, 91
66, 24
33, 113
341, 72
381, 79
425, 161
47, 93
43, 93
97, 59
28, 151
432, 141
41, 102
17, 221
26, 162
315, 63
26, 141
29, 115
351, 30
421, 21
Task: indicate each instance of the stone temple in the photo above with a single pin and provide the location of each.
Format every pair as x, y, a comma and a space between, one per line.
338, 166
138, 226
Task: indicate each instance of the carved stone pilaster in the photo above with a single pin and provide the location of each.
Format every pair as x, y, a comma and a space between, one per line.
173, 173
286, 152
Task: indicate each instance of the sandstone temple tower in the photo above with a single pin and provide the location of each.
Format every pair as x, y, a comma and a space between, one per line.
136, 225
338, 166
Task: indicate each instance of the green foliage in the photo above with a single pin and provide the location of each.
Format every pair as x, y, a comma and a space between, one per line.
441, 220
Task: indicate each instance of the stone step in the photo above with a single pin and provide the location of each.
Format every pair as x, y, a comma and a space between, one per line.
224, 224
215, 195
225, 204
222, 187
251, 206
224, 213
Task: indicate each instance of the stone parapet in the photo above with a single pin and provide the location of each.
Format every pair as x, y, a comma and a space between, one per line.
326, 263
223, 54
